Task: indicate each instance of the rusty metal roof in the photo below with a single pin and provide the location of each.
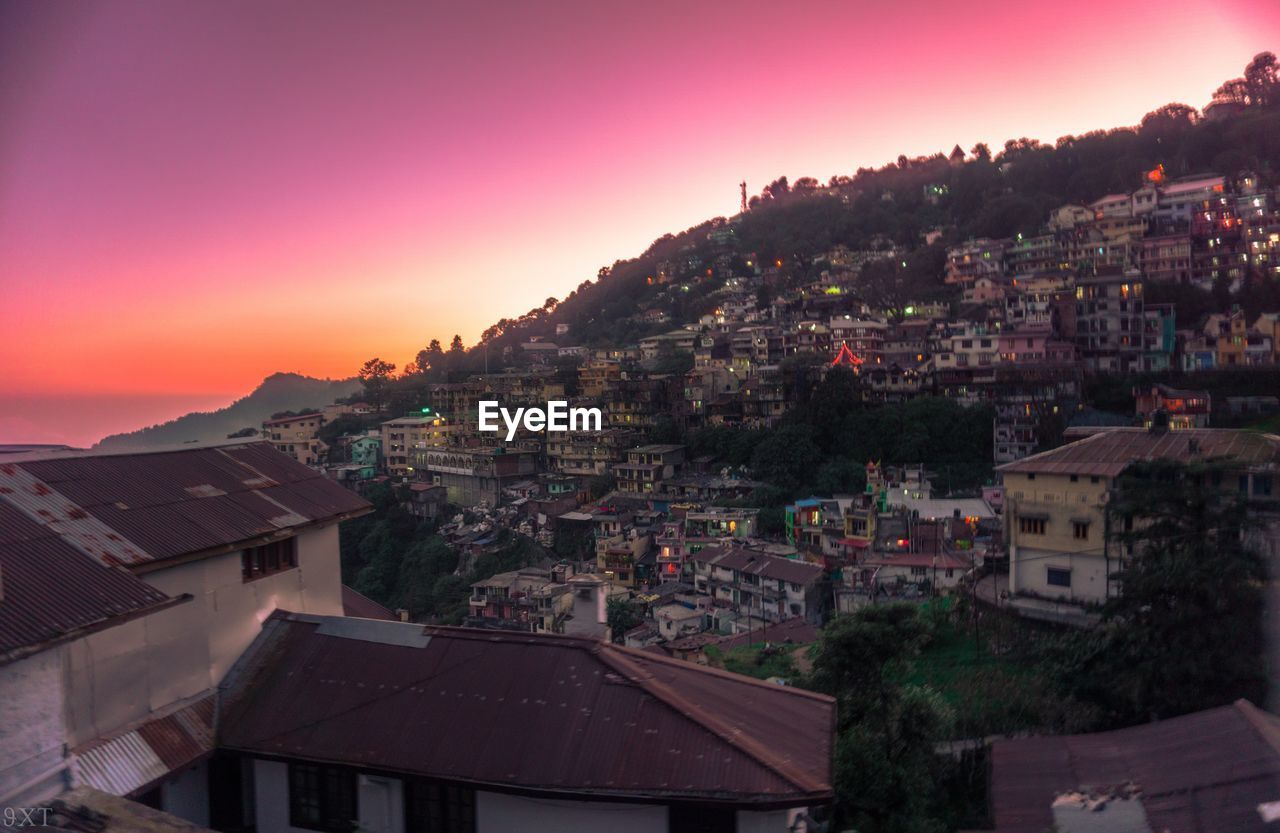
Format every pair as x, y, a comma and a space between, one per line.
137, 508
52, 589
551, 714
129, 762
1201, 773
754, 562
74, 525
1109, 452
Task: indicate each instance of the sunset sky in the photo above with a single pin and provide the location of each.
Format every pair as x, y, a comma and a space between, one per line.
194, 195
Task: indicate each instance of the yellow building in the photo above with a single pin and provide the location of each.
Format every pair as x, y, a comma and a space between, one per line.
1056, 523
298, 436
402, 436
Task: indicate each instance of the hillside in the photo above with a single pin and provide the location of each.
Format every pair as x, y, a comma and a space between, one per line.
278, 392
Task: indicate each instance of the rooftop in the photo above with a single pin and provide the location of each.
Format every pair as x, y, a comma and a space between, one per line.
757, 563
1109, 452
547, 713
1200, 773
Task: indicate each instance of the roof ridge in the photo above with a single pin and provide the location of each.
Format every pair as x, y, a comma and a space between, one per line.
1265, 724
622, 662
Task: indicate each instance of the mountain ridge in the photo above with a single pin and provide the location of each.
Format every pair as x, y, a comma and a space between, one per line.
281, 391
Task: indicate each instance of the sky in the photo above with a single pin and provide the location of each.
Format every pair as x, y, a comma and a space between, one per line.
196, 195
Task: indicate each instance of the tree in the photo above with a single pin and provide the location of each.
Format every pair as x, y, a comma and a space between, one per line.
1261, 78
1185, 631
981, 152
621, 616
886, 729
375, 375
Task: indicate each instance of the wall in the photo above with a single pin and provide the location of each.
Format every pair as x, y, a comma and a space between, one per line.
125, 674
31, 729
1030, 555
187, 795
499, 813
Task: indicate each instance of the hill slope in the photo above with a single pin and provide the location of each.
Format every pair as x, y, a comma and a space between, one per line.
278, 392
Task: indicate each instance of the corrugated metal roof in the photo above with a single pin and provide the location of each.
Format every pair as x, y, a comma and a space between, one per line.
163, 504
547, 713
52, 589
753, 562
1109, 452
69, 523
1202, 773
126, 763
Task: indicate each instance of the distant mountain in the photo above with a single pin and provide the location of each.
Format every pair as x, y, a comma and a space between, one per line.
278, 392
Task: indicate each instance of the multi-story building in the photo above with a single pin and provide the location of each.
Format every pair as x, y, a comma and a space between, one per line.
474, 475
404, 438
647, 467
1109, 321
298, 436
1062, 553
1181, 409
759, 585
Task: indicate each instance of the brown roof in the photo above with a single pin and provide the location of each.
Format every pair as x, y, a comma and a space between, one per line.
796, 631
75, 525
753, 562
141, 507
128, 762
1202, 773
54, 591
1110, 452
544, 713
363, 607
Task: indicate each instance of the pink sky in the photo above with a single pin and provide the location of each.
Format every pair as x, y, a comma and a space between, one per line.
195, 195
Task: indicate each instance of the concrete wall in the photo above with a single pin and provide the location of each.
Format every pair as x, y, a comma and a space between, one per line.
187, 795
31, 729
124, 674
1062, 502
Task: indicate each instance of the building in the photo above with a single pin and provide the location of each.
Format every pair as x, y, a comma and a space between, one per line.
531, 599
131, 585
298, 436
1181, 409
407, 436
1061, 558
760, 585
474, 475
647, 467
403, 727
1204, 772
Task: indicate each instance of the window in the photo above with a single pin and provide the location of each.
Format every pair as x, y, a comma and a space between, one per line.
1057, 577
1262, 485
919, 571
1080, 530
1031, 526
439, 808
276, 557
322, 798
683, 818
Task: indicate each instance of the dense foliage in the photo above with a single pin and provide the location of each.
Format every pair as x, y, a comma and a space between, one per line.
1186, 632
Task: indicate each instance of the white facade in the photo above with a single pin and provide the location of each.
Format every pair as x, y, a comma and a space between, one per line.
127, 673
380, 807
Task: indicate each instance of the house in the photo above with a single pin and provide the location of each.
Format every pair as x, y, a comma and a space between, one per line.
758, 584
405, 436
647, 467
531, 599
402, 727
1205, 772
1061, 558
1182, 408
131, 584
298, 436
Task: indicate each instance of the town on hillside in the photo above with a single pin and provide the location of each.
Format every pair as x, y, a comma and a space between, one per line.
931, 532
